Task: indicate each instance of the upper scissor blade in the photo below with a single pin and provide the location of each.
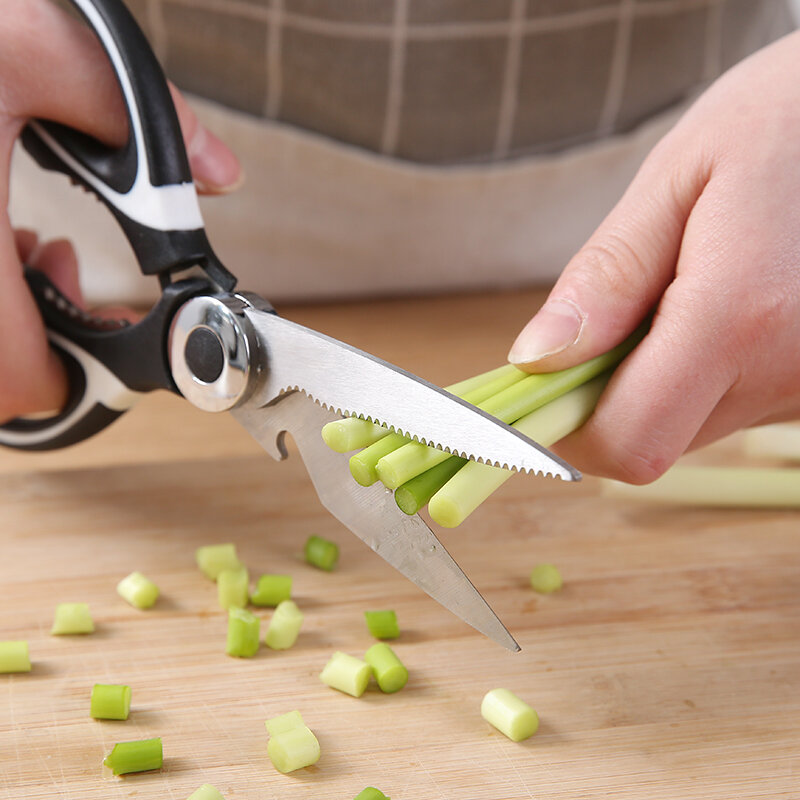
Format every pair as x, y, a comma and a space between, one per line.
350, 381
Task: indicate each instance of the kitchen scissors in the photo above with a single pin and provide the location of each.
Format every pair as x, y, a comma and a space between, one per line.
227, 350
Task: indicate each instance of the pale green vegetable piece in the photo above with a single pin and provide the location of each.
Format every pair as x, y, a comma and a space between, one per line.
243, 633
213, 558
510, 715
206, 792
110, 701
499, 376
382, 624
138, 590
475, 482
284, 627
545, 578
233, 588
14, 657
138, 756
346, 673
284, 722
293, 749
780, 440
72, 618
363, 463
271, 590
389, 671
351, 433
371, 793
730, 487
321, 553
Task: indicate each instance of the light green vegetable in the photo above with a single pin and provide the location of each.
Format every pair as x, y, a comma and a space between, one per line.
138, 590
475, 482
781, 440
545, 578
292, 745
363, 463
71, 618
346, 673
510, 715
371, 793
206, 792
271, 590
351, 433
487, 383
389, 671
110, 701
321, 553
233, 588
138, 756
415, 494
731, 487
284, 627
213, 558
382, 624
243, 633
14, 657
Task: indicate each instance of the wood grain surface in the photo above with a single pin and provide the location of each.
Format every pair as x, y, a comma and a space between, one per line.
667, 667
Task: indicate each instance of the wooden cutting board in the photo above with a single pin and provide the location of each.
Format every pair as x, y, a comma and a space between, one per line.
667, 667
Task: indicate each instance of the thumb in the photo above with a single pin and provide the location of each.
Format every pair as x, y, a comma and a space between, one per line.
612, 283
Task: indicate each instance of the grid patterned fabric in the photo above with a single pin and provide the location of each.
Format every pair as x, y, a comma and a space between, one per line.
453, 81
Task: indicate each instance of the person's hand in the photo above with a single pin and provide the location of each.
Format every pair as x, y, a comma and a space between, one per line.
708, 234
53, 67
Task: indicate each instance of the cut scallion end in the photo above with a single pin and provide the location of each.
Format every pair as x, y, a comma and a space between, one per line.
233, 588
206, 792
371, 793
545, 578
138, 590
415, 494
271, 590
408, 461
389, 671
363, 463
110, 701
213, 558
284, 627
351, 433
14, 657
511, 716
321, 553
346, 673
382, 624
292, 745
138, 756
72, 618
243, 633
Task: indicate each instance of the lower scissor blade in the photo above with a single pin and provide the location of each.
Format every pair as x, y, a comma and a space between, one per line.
370, 512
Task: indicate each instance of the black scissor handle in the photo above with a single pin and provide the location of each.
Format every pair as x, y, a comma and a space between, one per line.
147, 183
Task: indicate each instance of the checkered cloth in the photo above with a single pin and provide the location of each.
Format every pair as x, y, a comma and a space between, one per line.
454, 81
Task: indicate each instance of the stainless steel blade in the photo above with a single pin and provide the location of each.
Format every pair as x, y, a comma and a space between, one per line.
371, 513
350, 381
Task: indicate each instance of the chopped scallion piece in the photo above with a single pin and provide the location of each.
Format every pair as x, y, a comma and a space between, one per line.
284, 627
510, 715
371, 793
351, 433
243, 633
363, 463
213, 558
138, 590
389, 671
72, 618
545, 578
321, 553
206, 792
233, 588
475, 481
138, 756
415, 494
292, 745
110, 701
382, 624
271, 590
14, 657
347, 674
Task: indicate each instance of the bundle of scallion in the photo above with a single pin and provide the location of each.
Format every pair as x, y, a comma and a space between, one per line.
545, 407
